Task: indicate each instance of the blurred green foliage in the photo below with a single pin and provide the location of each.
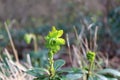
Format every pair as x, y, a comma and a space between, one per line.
114, 23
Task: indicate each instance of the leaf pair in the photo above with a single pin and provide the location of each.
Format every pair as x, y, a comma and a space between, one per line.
44, 73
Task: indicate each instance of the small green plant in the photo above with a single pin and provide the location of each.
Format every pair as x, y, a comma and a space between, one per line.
53, 43
104, 74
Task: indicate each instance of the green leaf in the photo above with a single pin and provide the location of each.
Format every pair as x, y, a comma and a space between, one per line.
72, 70
53, 28
37, 72
74, 76
112, 78
110, 71
60, 33
101, 77
43, 77
58, 64
60, 41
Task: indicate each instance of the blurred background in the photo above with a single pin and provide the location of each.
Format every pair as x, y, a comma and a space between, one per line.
37, 17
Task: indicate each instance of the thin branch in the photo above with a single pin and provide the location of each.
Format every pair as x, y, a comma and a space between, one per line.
11, 41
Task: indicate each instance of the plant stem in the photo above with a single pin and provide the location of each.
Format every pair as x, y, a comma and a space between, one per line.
89, 70
69, 51
51, 62
35, 43
12, 44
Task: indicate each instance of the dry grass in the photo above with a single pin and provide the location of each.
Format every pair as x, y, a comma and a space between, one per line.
13, 70
83, 45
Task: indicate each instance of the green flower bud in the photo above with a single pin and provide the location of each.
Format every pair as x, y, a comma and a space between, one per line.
90, 56
28, 38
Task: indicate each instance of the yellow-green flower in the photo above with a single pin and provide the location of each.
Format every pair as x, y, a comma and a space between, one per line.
53, 40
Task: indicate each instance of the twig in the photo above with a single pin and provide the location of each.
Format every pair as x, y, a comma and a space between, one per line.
69, 51
11, 41
95, 38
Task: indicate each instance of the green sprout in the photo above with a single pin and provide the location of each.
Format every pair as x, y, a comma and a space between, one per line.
28, 38
53, 43
90, 57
